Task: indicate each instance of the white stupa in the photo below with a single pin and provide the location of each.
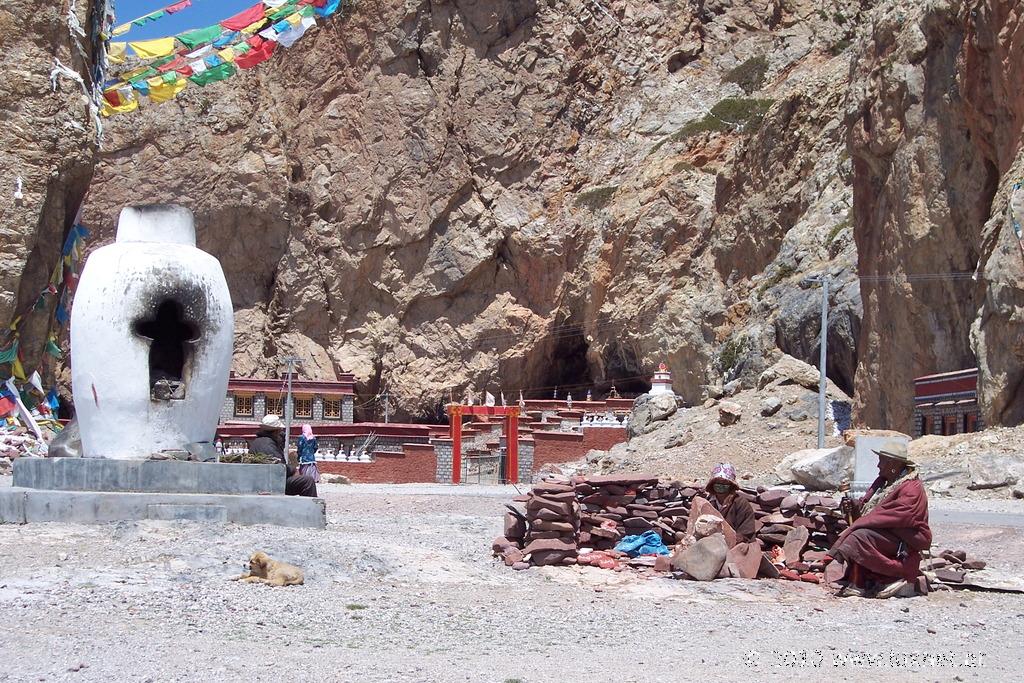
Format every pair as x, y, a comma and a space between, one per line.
661, 383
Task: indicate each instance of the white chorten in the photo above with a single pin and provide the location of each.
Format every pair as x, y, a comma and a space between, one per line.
661, 383
152, 330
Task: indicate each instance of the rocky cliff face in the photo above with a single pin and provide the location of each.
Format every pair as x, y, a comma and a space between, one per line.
934, 115
437, 195
48, 139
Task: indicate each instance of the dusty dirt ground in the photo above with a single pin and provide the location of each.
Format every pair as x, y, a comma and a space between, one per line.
401, 587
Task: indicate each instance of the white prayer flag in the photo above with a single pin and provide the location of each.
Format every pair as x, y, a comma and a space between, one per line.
489, 399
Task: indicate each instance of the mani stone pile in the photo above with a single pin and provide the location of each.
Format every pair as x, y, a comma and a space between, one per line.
574, 520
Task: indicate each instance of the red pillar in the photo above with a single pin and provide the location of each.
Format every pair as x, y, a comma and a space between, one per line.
512, 446
455, 432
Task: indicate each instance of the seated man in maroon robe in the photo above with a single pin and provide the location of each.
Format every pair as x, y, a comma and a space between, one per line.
881, 551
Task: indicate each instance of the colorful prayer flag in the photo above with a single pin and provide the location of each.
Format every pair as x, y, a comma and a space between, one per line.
116, 52
218, 72
150, 49
245, 17
191, 39
166, 90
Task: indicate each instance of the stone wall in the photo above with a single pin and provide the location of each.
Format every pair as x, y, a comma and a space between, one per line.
559, 447
416, 464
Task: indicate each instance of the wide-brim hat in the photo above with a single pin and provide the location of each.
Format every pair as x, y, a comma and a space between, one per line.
894, 450
272, 421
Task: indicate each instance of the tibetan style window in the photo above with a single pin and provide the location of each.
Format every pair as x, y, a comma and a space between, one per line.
303, 406
275, 406
243, 406
332, 408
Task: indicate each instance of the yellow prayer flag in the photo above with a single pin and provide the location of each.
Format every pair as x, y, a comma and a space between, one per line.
17, 370
166, 91
253, 27
109, 109
121, 29
116, 52
151, 49
295, 19
227, 54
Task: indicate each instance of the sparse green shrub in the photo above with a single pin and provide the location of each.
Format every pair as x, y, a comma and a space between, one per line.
731, 353
836, 229
749, 75
596, 197
780, 274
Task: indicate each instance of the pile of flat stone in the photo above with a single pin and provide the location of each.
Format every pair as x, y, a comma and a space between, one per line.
950, 567
547, 533
566, 514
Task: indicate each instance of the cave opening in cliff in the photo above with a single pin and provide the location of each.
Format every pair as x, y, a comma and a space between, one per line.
567, 370
624, 371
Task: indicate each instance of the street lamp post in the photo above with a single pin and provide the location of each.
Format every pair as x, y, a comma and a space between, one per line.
822, 379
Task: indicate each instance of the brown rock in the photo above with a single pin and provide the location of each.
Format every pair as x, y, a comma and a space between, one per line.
520, 566
663, 563
949, 575
704, 559
543, 525
501, 544
511, 556
515, 527
744, 560
636, 525
630, 480
549, 544
793, 546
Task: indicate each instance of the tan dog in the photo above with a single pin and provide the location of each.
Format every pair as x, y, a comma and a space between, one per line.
262, 569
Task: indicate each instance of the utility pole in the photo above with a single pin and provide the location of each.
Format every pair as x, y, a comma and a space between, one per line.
822, 379
291, 362
387, 406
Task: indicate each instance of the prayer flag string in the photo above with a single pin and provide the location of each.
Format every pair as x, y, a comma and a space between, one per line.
206, 55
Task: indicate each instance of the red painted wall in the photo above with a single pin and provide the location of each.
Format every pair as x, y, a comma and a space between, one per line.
415, 465
558, 447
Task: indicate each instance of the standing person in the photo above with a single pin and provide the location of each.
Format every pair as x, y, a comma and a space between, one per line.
307, 449
881, 550
270, 441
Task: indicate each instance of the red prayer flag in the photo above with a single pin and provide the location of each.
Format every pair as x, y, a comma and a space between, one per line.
6, 405
256, 56
178, 6
172, 65
245, 17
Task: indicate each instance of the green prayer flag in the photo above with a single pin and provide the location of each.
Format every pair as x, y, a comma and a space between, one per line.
191, 39
148, 73
213, 74
170, 77
241, 48
284, 11
52, 348
306, 11
8, 355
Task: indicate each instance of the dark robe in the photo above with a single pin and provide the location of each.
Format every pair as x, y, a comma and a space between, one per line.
897, 525
738, 512
271, 442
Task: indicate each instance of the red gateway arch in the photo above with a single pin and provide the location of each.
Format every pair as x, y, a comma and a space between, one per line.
510, 428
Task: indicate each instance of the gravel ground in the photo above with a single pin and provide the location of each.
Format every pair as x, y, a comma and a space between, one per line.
401, 587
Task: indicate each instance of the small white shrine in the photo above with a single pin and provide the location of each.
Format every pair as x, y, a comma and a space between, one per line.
661, 383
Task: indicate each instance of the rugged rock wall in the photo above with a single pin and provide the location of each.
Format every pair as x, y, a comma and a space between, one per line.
934, 116
48, 138
523, 194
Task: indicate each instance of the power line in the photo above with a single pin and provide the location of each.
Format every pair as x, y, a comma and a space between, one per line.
921, 277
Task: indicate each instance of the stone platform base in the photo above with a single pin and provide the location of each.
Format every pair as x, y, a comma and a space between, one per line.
147, 476
23, 505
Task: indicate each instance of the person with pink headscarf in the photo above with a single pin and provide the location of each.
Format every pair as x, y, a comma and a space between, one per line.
307, 448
